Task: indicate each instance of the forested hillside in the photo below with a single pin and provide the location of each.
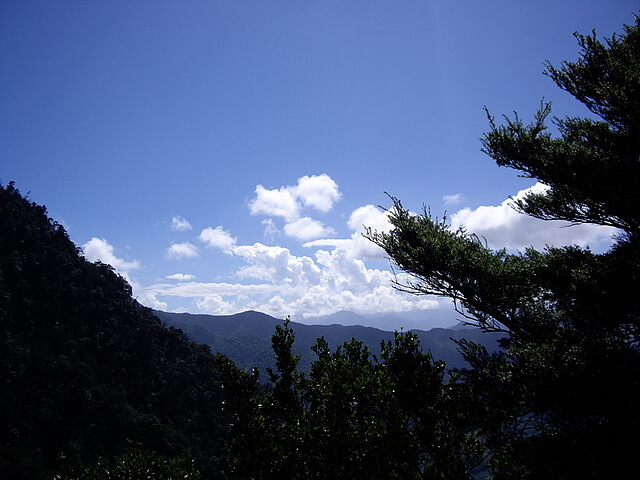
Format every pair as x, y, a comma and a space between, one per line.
85, 369
246, 338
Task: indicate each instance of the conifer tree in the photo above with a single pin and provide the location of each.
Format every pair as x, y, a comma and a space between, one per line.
561, 400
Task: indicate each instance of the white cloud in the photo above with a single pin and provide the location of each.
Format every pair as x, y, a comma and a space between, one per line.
453, 199
180, 224
369, 216
181, 250
306, 228
270, 230
276, 203
317, 191
504, 227
217, 238
214, 304
181, 277
277, 265
335, 277
341, 283
341, 243
358, 246
99, 249
295, 285
202, 289
149, 298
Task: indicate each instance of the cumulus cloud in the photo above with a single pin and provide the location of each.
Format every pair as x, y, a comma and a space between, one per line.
276, 265
150, 298
298, 286
181, 277
274, 280
215, 304
275, 203
178, 251
371, 217
286, 284
358, 246
504, 227
217, 238
212, 298
317, 191
336, 277
100, 249
306, 228
453, 199
333, 275
180, 224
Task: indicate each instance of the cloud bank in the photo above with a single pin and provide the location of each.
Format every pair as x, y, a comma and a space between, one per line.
322, 274
274, 280
286, 284
504, 227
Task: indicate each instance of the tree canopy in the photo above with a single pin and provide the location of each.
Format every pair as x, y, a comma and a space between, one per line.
356, 415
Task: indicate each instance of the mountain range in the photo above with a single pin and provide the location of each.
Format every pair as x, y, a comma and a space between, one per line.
443, 317
246, 337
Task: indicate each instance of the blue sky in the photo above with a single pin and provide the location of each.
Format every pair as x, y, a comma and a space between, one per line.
223, 156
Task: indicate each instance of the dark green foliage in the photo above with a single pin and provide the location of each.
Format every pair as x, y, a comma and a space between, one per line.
84, 367
561, 402
137, 464
593, 167
354, 416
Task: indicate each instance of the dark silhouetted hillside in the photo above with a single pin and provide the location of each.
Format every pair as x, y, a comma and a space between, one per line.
85, 370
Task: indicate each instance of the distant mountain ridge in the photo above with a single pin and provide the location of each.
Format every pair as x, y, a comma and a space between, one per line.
246, 337
390, 321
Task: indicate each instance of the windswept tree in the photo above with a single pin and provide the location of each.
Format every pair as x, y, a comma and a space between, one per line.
561, 401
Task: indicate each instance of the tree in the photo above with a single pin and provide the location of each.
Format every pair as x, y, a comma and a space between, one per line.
136, 464
561, 400
354, 416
